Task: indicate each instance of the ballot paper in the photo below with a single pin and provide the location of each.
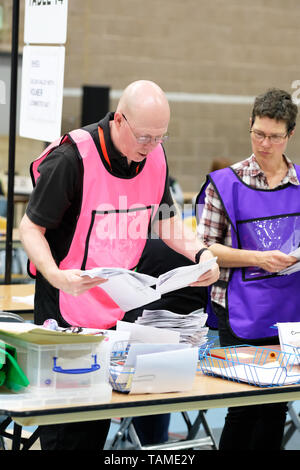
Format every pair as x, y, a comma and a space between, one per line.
130, 289
295, 267
183, 276
295, 253
191, 327
148, 334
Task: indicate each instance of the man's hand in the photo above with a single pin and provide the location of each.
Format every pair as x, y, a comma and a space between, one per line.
210, 276
38, 251
72, 282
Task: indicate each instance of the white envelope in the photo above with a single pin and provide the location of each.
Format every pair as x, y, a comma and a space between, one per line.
169, 371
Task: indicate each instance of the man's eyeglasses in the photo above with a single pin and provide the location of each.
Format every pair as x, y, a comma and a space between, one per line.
146, 139
274, 138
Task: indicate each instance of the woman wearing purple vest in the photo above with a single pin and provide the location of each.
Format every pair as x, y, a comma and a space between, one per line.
98, 191
251, 221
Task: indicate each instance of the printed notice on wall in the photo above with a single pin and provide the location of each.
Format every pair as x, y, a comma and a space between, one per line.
45, 21
42, 92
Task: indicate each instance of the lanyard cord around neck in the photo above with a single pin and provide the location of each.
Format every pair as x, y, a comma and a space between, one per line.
104, 151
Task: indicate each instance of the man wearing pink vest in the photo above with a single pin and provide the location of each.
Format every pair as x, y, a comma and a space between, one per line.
97, 193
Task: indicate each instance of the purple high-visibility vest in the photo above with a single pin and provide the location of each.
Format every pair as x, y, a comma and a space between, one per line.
260, 219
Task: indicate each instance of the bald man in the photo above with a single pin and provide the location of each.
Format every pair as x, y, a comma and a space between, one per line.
97, 193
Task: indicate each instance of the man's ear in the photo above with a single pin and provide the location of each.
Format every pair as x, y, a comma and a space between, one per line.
118, 119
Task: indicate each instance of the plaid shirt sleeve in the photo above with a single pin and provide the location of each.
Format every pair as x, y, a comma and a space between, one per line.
213, 228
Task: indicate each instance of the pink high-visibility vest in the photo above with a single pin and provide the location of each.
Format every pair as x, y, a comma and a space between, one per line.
112, 226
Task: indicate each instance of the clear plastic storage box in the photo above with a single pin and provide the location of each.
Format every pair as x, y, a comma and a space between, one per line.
64, 372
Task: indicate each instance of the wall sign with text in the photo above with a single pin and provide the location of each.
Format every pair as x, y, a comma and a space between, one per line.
45, 21
42, 92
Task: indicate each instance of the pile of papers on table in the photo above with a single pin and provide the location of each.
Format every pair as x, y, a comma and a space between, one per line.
155, 362
191, 327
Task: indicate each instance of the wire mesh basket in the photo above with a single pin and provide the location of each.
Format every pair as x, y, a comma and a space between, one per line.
255, 365
120, 376
293, 350
205, 347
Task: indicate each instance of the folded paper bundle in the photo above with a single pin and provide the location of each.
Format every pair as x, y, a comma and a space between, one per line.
130, 289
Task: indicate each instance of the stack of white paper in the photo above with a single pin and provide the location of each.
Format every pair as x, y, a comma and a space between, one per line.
147, 334
191, 327
155, 363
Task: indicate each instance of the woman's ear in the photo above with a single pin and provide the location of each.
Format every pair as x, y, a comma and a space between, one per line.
292, 133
